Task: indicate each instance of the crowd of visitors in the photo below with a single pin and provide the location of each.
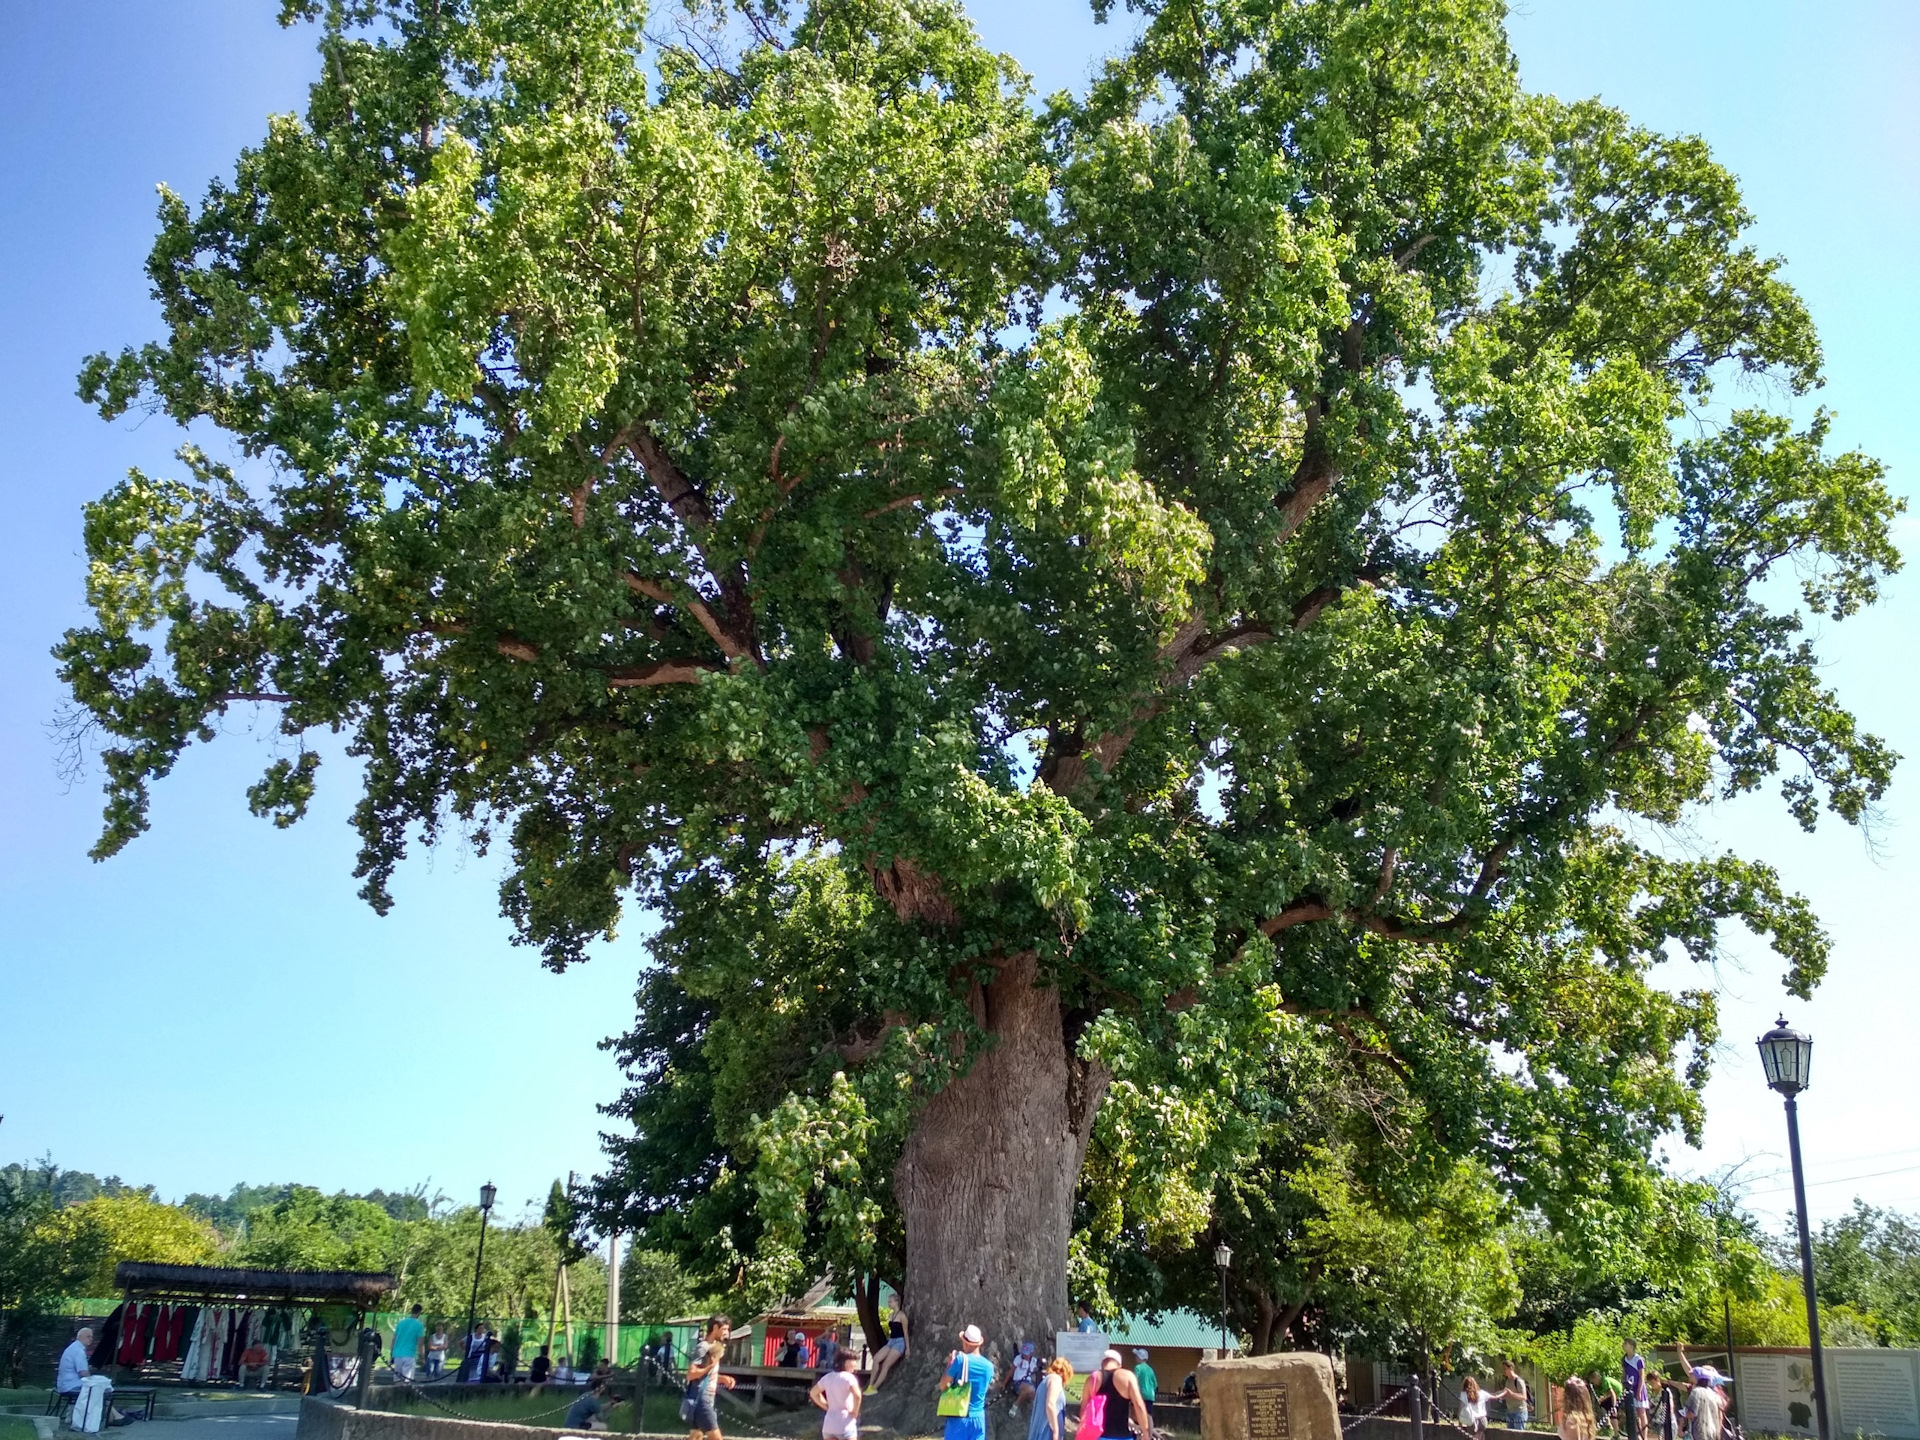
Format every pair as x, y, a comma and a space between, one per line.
1116, 1401
1639, 1403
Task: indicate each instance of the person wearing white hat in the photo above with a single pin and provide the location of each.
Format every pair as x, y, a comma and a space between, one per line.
967, 1366
1705, 1403
1122, 1410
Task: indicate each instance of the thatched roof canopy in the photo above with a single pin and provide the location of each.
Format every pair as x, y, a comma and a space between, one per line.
360, 1288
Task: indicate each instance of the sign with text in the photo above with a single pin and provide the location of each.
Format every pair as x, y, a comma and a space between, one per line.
1081, 1349
1871, 1392
1875, 1392
1267, 1413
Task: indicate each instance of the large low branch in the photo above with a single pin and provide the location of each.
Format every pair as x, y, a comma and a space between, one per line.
1310, 909
695, 514
683, 498
1190, 651
659, 672
662, 672
691, 602
508, 644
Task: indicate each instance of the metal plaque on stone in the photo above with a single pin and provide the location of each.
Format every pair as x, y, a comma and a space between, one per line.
1267, 1413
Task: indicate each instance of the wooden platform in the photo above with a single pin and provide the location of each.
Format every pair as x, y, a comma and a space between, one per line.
753, 1385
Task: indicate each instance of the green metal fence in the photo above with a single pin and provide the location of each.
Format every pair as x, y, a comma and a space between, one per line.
634, 1337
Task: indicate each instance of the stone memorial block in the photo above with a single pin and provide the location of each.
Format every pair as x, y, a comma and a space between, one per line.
1268, 1397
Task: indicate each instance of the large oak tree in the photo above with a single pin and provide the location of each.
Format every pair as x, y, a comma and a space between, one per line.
1050, 605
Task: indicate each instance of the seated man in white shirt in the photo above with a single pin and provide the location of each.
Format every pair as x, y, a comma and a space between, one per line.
73, 1369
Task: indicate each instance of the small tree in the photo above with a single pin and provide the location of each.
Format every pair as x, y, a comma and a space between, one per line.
34, 1268
94, 1236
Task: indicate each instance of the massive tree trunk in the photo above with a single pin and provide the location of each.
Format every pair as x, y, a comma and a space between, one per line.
986, 1186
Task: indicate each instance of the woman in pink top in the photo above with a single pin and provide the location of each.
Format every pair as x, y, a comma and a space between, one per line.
838, 1393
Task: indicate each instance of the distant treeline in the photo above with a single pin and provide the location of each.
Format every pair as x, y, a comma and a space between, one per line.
227, 1212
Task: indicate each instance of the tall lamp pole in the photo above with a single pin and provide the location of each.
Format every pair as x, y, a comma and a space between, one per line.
1787, 1057
1223, 1257
473, 1302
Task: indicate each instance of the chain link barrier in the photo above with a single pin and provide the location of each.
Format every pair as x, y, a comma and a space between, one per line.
1390, 1400
438, 1404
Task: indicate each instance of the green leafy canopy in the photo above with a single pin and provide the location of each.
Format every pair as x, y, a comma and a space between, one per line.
1224, 534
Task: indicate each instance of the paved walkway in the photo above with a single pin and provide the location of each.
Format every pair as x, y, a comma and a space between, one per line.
212, 1427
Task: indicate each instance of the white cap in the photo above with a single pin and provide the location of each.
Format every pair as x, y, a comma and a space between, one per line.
1113, 1355
972, 1335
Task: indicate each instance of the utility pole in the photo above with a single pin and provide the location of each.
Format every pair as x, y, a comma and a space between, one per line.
613, 1299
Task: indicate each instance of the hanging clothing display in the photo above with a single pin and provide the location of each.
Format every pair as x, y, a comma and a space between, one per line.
107, 1343
172, 1333
190, 1360
129, 1331
203, 1355
136, 1331
229, 1351
206, 1341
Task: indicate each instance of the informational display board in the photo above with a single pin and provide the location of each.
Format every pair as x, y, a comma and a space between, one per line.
1878, 1392
1774, 1393
1081, 1349
1871, 1392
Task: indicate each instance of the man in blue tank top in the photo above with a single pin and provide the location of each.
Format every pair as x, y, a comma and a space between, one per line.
967, 1366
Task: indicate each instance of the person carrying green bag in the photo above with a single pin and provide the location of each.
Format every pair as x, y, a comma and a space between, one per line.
964, 1386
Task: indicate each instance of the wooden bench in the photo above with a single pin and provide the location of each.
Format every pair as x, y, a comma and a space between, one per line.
126, 1401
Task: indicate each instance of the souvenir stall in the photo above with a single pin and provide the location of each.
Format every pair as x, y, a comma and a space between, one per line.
206, 1325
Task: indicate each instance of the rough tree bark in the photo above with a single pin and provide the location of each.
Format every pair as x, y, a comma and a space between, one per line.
986, 1186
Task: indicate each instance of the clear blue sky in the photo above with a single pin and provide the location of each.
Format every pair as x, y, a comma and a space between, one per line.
215, 1005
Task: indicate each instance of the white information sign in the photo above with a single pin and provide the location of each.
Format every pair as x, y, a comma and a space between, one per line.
1081, 1349
1872, 1393
1775, 1393
1876, 1392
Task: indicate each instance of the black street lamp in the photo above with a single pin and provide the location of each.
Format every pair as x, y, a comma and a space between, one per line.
487, 1192
1787, 1057
1223, 1257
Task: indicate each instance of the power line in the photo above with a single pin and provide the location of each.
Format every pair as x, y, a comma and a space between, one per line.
1841, 1180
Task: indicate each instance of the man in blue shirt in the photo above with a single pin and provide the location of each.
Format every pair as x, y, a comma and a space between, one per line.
967, 1366
73, 1366
406, 1344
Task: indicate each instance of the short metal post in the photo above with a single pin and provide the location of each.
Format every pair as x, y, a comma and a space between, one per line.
369, 1350
1416, 1407
320, 1381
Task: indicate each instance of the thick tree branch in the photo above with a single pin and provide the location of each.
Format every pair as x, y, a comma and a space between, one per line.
696, 515
906, 500
686, 502
662, 672
694, 606
510, 645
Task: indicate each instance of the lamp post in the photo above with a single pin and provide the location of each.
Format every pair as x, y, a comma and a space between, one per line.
1223, 1257
487, 1192
1787, 1056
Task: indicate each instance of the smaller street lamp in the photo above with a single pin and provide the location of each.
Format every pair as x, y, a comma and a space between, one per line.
487, 1195
1223, 1257
1787, 1057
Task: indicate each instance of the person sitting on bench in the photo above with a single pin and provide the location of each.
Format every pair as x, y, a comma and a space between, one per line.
73, 1368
